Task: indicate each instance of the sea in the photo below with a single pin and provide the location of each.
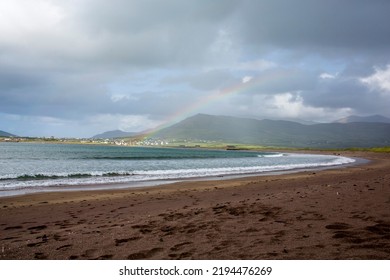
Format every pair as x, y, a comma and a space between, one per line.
33, 167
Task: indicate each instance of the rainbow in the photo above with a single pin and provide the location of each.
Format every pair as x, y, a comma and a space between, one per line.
193, 108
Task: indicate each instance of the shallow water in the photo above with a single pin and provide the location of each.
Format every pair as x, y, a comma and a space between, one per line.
31, 166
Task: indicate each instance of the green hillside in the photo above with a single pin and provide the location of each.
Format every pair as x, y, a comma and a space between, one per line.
6, 134
278, 133
113, 134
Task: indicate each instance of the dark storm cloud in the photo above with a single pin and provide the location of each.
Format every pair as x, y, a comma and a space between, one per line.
69, 65
329, 26
60, 58
344, 91
51, 94
337, 93
151, 33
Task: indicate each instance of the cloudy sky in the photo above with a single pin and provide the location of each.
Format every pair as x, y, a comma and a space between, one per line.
80, 67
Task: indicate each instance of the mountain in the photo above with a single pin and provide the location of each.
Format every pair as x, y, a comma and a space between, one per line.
370, 119
301, 121
297, 120
114, 134
278, 133
6, 134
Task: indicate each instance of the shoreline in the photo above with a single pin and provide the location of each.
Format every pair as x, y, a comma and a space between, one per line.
131, 185
338, 213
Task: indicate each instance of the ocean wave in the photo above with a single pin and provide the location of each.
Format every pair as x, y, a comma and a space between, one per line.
94, 178
171, 157
272, 155
34, 177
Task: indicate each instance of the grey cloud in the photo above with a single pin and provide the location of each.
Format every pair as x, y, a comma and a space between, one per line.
336, 93
155, 104
64, 71
52, 95
12, 78
137, 16
281, 80
120, 35
347, 92
330, 26
188, 49
205, 80
147, 33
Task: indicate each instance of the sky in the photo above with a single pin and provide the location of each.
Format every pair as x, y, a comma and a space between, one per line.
77, 68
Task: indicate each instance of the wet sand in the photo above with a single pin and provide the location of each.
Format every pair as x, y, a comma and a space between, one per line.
330, 214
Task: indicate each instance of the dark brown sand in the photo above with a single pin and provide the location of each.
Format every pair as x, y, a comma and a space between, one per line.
331, 214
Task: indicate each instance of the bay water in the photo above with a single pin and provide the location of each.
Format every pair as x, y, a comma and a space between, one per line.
31, 167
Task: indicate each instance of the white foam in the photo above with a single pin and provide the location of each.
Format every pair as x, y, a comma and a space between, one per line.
171, 174
272, 155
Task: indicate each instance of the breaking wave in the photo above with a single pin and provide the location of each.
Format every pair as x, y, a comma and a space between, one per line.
272, 155
23, 181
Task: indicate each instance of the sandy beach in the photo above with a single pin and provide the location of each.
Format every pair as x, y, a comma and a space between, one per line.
329, 214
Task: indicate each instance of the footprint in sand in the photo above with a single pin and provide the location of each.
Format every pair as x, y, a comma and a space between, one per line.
179, 246
120, 242
90, 254
143, 228
338, 226
145, 254
105, 257
40, 256
37, 229
64, 247
58, 237
380, 228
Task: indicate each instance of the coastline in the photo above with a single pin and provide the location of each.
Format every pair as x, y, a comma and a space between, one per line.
160, 182
338, 213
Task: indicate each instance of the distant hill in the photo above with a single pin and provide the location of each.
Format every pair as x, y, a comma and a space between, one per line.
114, 134
297, 120
278, 133
6, 134
302, 121
373, 118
